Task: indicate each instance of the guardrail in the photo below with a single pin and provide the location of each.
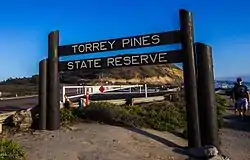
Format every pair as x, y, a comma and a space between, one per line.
20, 97
82, 90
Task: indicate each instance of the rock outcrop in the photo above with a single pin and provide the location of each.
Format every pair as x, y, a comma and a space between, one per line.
22, 120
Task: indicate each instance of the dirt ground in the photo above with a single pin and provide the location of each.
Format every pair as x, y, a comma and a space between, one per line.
101, 142
235, 137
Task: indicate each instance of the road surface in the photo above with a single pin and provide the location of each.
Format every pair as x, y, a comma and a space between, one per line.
17, 104
25, 103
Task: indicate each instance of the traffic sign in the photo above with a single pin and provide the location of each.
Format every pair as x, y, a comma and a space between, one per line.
101, 89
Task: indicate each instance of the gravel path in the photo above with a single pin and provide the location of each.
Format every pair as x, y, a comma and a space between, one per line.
100, 142
235, 137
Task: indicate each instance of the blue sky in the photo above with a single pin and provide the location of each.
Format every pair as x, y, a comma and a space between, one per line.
24, 27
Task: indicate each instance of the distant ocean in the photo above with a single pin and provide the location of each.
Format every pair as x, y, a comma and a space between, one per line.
228, 84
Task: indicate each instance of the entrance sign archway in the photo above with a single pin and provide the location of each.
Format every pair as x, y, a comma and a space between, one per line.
185, 55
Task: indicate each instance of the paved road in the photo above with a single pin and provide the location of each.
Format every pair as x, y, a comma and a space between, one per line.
16, 104
25, 103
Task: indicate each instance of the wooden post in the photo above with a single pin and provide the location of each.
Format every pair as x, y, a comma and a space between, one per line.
190, 86
42, 94
53, 92
206, 96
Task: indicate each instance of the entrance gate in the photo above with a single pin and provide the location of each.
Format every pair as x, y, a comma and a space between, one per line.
199, 61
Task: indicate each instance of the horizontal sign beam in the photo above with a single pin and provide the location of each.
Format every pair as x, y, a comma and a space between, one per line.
125, 60
139, 41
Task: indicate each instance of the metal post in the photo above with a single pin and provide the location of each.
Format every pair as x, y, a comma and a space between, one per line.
146, 91
206, 96
187, 41
42, 94
53, 92
63, 93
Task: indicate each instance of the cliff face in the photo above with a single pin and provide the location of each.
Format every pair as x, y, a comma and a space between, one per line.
154, 74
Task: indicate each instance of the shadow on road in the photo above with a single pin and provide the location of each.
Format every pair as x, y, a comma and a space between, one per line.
176, 148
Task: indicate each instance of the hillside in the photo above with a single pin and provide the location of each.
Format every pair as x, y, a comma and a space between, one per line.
157, 75
152, 75
19, 86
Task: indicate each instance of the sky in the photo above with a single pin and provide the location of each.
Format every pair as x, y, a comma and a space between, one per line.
25, 25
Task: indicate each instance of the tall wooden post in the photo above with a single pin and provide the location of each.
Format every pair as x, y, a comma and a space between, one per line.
42, 94
53, 91
206, 96
190, 86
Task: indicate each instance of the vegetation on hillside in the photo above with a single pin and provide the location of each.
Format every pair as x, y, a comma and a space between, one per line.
154, 74
19, 86
28, 81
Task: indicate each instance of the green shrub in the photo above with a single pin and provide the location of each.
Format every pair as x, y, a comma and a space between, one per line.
164, 116
114, 114
222, 105
9, 150
161, 116
69, 115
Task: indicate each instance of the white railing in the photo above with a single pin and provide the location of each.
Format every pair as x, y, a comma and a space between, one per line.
82, 90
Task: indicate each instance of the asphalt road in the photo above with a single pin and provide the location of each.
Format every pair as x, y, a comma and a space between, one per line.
25, 103
17, 104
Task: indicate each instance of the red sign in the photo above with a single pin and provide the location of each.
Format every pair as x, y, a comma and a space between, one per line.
101, 89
